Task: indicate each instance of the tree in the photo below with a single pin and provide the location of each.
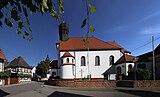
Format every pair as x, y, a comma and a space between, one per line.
15, 13
43, 68
5, 74
141, 74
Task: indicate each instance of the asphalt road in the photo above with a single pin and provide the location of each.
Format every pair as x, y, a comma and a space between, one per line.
36, 89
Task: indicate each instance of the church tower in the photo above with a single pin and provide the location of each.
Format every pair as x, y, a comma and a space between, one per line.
63, 31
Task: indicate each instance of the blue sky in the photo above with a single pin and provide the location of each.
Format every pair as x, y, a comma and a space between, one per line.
131, 23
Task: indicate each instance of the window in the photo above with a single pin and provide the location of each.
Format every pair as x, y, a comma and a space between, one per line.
130, 67
97, 61
67, 60
72, 61
83, 61
111, 60
61, 61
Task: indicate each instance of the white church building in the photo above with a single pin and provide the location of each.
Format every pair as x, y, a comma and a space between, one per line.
96, 59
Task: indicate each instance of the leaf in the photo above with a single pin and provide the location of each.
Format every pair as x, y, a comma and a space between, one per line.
25, 12
14, 15
20, 25
1, 14
85, 40
92, 8
84, 23
0, 24
29, 39
49, 3
8, 23
27, 21
26, 33
61, 8
54, 14
44, 4
18, 31
91, 29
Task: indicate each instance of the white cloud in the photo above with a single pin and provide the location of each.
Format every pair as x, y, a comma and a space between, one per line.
151, 30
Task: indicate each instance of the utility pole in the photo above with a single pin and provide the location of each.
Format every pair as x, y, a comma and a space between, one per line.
153, 58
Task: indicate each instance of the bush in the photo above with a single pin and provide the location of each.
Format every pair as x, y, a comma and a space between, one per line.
5, 74
141, 74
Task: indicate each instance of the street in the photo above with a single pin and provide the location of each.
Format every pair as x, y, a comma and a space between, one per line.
36, 89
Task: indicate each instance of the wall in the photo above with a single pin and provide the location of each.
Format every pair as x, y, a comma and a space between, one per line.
95, 71
1, 66
92, 83
147, 83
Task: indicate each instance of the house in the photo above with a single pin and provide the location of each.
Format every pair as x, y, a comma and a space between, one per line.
145, 61
54, 70
2, 59
95, 59
19, 67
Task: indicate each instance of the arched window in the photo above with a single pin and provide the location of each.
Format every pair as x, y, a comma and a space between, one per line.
67, 60
83, 61
97, 61
61, 61
111, 60
72, 61
130, 67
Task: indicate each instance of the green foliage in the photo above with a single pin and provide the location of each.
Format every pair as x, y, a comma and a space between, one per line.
5, 74
23, 75
91, 29
141, 74
43, 68
92, 8
14, 13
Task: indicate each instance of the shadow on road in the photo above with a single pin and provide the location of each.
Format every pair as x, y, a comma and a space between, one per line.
62, 94
140, 93
3, 93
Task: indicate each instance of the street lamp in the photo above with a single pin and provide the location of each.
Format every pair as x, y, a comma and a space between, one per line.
134, 61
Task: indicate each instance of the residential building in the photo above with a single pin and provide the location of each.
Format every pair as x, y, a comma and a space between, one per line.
2, 59
145, 61
19, 66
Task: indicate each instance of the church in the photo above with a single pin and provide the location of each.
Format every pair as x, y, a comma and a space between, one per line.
96, 59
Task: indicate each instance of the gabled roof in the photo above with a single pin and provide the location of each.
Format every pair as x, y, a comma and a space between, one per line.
77, 43
18, 62
145, 57
125, 59
54, 64
117, 45
66, 54
2, 56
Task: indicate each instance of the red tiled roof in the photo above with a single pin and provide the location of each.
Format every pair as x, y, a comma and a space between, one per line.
125, 58
2, 56
94, 44
66, 54
54, 64
117, 45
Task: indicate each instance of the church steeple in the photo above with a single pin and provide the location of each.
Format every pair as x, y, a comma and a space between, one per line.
47, 58
63, 30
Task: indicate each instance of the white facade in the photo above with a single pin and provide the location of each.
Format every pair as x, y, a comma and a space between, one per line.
124, 67
78, 71
1, 67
